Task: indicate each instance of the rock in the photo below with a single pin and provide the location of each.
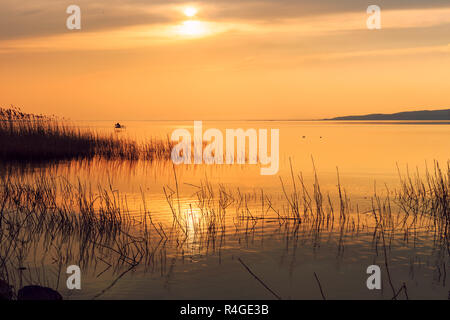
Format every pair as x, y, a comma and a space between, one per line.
38, 293
6, 292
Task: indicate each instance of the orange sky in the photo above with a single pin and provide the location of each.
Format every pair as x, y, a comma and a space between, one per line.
285, 59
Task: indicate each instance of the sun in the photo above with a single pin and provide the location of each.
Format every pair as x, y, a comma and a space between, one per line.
190, 12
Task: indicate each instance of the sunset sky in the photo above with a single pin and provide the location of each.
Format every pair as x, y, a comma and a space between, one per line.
224, 59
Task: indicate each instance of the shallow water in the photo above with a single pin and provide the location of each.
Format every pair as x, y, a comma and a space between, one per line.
368, 155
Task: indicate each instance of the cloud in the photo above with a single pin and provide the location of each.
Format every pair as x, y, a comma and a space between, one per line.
282, 9
26, 19
320, 34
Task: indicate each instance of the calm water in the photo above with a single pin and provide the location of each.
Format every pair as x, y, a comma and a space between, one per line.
205, 266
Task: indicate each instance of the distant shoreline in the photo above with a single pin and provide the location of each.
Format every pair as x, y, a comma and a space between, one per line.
423, 115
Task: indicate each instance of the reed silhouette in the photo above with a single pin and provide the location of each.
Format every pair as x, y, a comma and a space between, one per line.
29, 137
47, 215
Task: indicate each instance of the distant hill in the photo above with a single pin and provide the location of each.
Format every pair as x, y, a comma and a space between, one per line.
408, 115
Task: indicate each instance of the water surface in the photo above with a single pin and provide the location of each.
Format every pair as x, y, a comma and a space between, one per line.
368, 157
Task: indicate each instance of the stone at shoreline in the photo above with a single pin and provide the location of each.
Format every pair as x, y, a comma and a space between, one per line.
6, 292
38, 293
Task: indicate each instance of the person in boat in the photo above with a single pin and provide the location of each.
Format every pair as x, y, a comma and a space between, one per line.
118, 126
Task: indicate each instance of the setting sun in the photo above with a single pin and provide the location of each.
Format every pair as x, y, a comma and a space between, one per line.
190, 11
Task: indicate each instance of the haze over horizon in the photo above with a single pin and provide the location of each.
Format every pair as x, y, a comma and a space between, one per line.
260, 59
281, 119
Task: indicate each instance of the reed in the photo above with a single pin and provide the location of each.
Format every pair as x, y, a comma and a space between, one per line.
429, 195
29, 137
45, 215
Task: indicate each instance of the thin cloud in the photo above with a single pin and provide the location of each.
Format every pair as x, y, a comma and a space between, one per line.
25, 19
406, 27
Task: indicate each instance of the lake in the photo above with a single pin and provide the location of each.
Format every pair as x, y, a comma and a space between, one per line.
205, 223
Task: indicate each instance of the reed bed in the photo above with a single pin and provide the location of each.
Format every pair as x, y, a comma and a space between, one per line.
29, 137
429, 195
53, 217
45, 216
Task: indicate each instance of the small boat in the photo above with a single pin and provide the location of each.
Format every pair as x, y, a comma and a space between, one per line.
118, 126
